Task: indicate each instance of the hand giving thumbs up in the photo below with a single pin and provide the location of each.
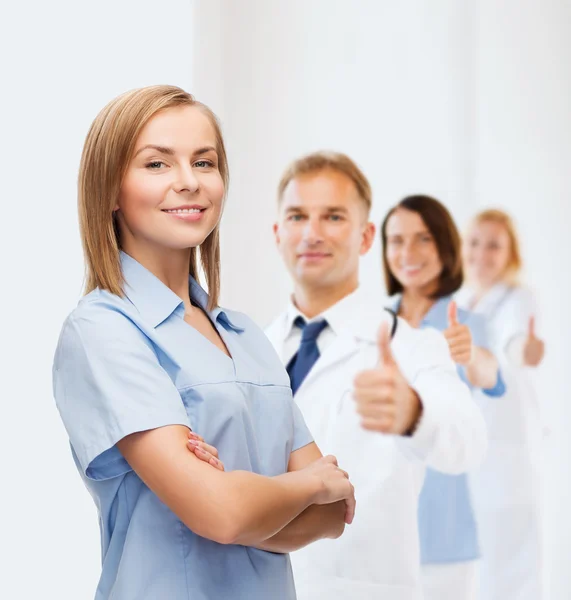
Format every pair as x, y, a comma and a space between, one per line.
534, 348
384, 399
458, 337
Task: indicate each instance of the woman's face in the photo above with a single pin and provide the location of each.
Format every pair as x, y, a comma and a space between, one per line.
411, 252
487, 250
172, 193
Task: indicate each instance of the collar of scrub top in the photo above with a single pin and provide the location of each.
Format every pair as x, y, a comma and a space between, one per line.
352, 316
157, 302
437, 313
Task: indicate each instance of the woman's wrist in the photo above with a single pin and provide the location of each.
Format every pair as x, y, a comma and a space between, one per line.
306, 484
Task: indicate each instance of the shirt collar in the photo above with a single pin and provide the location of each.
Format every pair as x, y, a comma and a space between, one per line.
291, 315
157, 302
437, 314
341, 315
344, 315
488, 302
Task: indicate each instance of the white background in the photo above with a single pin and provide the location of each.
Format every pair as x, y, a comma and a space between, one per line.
62, 61
468, 101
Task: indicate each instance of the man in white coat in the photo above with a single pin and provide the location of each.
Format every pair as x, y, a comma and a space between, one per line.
386, 402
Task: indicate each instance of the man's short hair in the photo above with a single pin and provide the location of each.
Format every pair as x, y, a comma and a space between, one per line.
317, 162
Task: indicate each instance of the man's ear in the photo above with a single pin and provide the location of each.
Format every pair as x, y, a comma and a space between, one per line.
276, 230
368, 238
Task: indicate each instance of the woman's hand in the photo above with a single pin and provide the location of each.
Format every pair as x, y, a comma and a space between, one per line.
458, 337
534, 348
334, 484
204, 451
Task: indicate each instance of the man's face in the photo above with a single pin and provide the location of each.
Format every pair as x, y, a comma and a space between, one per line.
322, 230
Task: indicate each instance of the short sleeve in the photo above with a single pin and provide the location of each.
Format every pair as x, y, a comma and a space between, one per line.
301, 434
108, 384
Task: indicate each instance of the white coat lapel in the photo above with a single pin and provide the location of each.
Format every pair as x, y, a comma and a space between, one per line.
493, 299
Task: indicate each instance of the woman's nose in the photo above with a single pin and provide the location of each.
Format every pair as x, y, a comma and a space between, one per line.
186, 181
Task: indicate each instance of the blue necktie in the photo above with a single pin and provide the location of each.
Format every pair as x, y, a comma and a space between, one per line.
308, 353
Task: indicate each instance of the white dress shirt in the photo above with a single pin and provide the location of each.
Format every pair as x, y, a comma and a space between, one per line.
335, 316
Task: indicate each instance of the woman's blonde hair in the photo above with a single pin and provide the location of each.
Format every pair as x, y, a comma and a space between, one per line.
108, 148
494, 215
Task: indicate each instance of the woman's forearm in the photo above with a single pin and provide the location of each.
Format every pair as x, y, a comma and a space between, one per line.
314, 523
482, 371
259, 507
237, 507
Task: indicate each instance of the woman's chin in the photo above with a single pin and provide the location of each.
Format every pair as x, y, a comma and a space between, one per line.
415, 282
483, 279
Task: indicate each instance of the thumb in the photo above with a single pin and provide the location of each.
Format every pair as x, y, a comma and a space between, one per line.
384, 343
531, 327
452, 314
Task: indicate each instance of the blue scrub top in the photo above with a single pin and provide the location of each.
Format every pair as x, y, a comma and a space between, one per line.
446, 522
131, 364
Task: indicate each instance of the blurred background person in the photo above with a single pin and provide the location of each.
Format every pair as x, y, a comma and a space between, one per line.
507, 488
423, 268
386, 409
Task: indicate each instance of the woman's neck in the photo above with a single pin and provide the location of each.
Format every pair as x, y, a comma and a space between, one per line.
414, 306
170, 266
479, 290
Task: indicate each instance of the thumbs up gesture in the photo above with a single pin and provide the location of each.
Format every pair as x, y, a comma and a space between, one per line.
383, 397
458, 337
534, 348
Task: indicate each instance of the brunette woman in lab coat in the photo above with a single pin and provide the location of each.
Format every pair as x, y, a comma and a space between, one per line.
423, 267
506, 489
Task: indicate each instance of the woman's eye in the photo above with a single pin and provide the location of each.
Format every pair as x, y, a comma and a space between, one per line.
425, 239
203, 164
155, 164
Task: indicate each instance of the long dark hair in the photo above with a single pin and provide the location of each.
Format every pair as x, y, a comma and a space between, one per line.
446, 237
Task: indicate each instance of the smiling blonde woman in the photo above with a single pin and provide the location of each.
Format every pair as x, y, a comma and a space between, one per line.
148, 365
507, 488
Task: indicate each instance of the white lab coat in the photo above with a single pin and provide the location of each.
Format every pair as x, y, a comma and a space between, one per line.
506, 489
378, 555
